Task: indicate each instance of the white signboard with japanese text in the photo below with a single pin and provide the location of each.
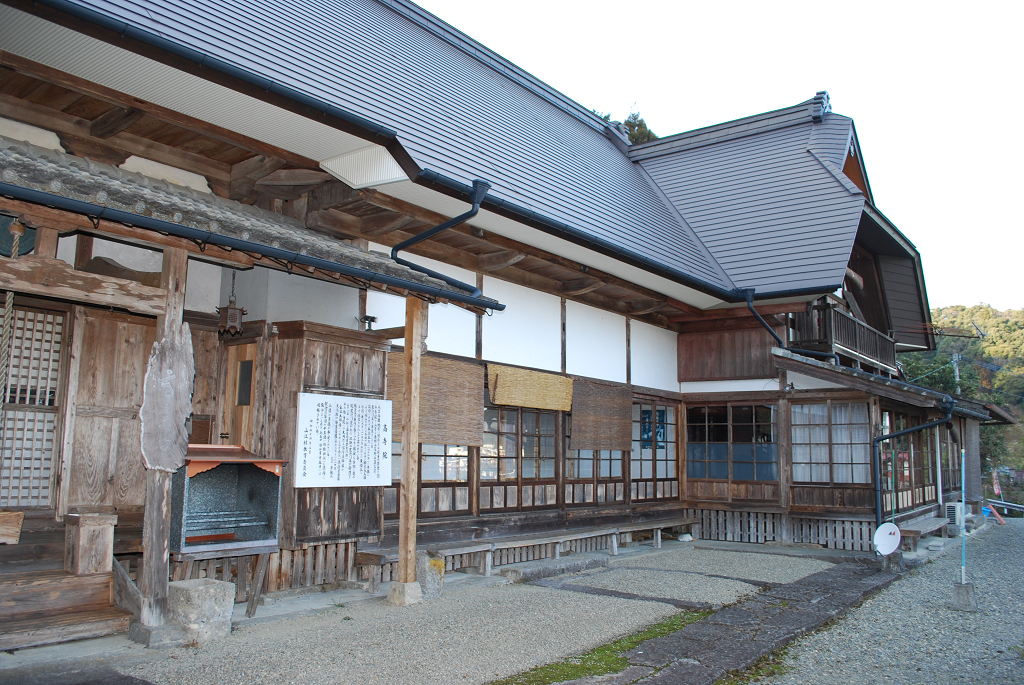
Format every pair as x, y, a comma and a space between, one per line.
342, 442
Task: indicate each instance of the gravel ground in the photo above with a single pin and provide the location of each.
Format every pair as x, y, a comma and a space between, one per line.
908, 635
684, 586
770, 568
473, 636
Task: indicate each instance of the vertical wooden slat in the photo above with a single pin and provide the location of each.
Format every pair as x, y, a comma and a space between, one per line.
286, 569
274, 577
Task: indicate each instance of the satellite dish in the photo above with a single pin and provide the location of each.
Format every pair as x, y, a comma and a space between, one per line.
887, 539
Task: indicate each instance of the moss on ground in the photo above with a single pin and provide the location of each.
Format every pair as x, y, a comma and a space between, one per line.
604, 659
769, 665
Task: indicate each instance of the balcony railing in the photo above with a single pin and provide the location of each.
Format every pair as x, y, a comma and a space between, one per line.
827, 328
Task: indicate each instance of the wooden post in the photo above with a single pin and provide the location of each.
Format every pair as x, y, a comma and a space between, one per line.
156, 523
46, 242
410, 441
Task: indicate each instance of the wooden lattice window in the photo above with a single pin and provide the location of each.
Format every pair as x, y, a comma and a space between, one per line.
31, 408
444, 479
592, 476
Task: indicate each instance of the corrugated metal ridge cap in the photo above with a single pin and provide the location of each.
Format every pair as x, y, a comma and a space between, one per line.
77, 184
451, 35
729, 130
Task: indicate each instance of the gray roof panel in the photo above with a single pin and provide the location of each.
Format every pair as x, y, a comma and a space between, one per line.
769, 211
458, 109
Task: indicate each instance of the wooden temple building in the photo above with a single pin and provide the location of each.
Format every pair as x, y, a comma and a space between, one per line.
699, 330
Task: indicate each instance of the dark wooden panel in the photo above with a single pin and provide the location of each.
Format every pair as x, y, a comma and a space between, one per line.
755, 491
722, 355
835, 497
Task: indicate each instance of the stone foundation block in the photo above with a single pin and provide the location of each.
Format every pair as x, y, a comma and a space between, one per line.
430, 573
404, 594
201, 607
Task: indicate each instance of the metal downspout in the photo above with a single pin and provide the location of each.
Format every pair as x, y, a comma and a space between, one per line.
749, 295
480, 189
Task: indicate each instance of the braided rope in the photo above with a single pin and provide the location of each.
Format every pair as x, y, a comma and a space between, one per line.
5, 344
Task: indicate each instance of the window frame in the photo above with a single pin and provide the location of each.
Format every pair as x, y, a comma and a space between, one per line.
595, 488
831, 444
730, 441
654, 483
549, 484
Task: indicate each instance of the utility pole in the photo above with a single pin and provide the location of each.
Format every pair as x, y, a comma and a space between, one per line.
956, 370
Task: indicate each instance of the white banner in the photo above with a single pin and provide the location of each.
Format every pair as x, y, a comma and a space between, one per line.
342, 442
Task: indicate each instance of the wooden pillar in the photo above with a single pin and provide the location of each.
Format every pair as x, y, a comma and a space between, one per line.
46, 242
156, 523
410, 441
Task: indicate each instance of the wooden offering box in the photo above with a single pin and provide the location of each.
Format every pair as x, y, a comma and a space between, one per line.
225, 498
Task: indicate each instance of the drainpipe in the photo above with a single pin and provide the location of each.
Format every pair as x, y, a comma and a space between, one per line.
749, 294
947, 405
480, 189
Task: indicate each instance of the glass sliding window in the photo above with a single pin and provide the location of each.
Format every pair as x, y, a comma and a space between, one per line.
517, 459
810, 443
851, 443
444, 479
653, 458
707, 442
755, 449
592, 476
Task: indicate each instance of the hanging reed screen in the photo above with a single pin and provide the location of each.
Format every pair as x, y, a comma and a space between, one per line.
30, 408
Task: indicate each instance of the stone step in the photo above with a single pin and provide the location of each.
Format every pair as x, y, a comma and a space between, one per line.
20, 633
31, 594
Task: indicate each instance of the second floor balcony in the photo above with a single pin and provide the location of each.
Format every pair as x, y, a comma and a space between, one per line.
827, 326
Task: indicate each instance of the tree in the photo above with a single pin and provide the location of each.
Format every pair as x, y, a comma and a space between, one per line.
638, 131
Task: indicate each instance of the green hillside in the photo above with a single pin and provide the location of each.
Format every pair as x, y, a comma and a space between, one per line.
992, 369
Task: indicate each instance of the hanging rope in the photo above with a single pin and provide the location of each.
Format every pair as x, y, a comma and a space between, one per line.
17, 230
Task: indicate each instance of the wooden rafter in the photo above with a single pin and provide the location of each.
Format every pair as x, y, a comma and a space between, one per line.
499, 260
114, 121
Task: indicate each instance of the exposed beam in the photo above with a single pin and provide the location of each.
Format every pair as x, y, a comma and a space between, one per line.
331, 194
57, 77
114, 121
580, 286
383, 201
717, 325
499, 260
94, 150
295, 177
44, 117
387, 227
741, 312
390, 333
334, 223
645, 308
247, 173
47, 277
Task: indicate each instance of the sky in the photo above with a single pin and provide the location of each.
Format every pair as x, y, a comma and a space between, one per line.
934, 90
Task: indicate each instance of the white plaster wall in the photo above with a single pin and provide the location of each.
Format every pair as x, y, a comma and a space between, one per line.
595, 343
16, 130
165, 172
66, 246
450, 329
278, 296
745, 385
131, 256
297, 298
250, 291
653, 356
802, 382
202, 287
528, 332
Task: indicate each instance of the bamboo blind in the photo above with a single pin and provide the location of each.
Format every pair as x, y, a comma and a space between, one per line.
524, 388
451, 400
602, 417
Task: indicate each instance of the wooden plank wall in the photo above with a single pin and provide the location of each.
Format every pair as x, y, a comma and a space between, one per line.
106, 447
309, 357
727, 355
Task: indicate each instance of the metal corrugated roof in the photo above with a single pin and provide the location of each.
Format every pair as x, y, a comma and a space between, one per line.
766, 195
457, 108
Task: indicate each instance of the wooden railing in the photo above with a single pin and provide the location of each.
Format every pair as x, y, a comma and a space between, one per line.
828, 328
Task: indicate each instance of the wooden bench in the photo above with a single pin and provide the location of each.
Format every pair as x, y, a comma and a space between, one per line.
376, 559
912, 532
658, 526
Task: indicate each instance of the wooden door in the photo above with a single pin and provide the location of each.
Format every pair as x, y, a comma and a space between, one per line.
240, 399
103, 443
32, 409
